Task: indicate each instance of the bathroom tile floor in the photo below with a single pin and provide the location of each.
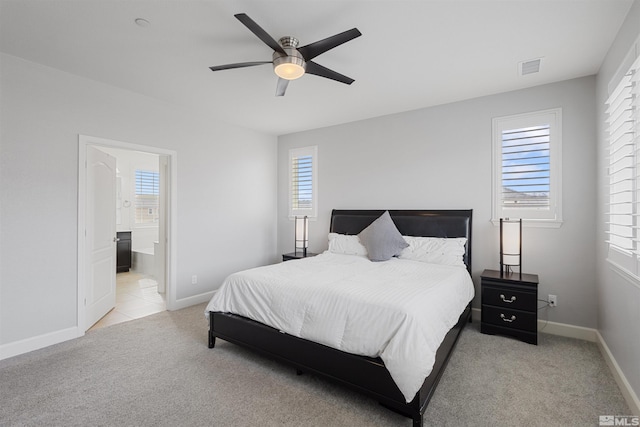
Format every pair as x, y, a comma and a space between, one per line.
136, 296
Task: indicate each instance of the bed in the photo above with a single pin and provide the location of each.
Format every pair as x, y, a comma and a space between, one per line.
368, 375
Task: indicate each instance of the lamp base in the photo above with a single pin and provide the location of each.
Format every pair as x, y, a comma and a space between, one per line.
506, 272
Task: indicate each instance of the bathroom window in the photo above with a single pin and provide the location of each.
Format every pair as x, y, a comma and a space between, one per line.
147, 197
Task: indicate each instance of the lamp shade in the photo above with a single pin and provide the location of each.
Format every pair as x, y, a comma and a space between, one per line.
301, 234
510, 244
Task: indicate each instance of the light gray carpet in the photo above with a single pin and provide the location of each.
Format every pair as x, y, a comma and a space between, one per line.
158, 371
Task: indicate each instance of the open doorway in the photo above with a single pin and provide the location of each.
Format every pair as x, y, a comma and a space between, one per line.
144, 204
140, 289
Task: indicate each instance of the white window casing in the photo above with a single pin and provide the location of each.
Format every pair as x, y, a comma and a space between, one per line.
527, 162
303, 182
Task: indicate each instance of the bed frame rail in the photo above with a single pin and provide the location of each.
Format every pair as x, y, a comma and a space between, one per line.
364, 374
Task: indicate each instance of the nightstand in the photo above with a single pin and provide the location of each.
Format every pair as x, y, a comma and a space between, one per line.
298, 255
510, 305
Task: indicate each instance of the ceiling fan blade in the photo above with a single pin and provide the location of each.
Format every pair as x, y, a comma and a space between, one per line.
258, 31
282, 86
312, 50
238, 65
319, 70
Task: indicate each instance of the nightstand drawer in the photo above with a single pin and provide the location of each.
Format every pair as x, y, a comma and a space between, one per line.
516, 319
509, 298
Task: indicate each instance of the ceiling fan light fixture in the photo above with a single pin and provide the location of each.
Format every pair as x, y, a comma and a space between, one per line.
289, 69
292, 65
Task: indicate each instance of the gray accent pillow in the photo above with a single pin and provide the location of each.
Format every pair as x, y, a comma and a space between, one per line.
382, 239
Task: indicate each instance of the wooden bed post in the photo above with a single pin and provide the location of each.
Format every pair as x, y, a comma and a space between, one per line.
212, 338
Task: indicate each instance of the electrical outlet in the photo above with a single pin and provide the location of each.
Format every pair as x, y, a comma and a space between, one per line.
194, 279
553, 300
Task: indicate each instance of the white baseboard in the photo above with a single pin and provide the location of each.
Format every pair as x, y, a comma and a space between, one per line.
45, 340
592, 335
627, 391
570, 331
35, 343
192, 300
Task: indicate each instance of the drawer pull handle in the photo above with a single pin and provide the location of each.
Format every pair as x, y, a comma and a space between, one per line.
513, 298
513, 317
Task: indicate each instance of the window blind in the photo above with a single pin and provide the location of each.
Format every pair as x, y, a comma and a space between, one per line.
526, 172
302, 182
303, 186
527, 167
147, 194
623, 129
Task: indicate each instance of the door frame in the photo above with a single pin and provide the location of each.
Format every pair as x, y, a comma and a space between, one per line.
171, 218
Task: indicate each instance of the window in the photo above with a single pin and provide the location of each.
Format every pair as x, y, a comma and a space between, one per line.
303, 187
146, 198
623, 131
526, 167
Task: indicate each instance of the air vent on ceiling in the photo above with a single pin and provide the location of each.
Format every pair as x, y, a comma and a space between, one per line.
529, 67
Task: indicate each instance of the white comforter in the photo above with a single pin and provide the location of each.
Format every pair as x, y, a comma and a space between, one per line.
398, 310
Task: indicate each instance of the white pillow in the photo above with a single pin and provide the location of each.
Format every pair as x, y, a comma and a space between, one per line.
435, 250
345, 244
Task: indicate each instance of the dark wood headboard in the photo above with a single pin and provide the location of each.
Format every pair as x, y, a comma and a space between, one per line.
425, 223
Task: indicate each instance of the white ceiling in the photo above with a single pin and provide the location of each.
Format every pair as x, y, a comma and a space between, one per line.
412, 54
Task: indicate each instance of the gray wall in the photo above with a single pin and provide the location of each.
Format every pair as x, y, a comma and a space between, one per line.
441, 158
226, 190
618, 297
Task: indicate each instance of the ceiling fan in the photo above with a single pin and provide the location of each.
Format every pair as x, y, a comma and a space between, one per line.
291, 62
